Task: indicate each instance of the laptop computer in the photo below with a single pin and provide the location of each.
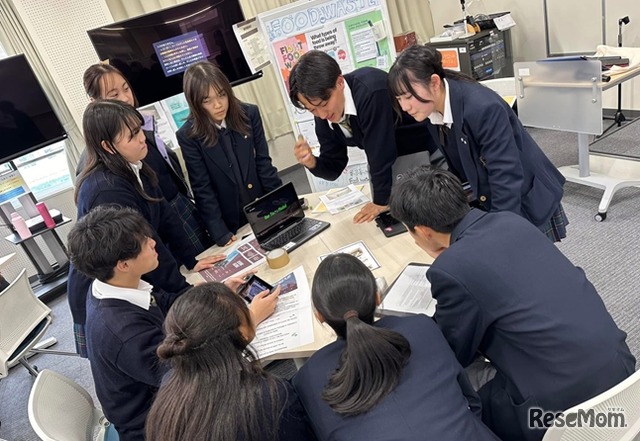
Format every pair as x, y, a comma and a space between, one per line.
278, 221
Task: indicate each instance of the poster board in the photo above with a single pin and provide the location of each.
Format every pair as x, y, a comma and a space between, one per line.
357, 33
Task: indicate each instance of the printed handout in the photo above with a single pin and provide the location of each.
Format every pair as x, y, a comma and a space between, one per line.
291, 325
343, 199
359, 250
410, 293
241, 258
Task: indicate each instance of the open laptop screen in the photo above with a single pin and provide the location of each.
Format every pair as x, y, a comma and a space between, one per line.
274, 211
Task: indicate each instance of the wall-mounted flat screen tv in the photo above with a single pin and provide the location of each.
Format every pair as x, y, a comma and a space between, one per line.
27, 120
154, 50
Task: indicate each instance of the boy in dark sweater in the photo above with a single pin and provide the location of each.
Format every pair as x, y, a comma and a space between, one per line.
124, 314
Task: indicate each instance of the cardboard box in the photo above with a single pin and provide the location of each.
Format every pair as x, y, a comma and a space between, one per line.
403, 41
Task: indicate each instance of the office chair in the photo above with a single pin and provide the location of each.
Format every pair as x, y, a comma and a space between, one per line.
62, 410
23, 321
622, 399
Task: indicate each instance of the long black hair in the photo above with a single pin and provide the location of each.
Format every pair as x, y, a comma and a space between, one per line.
344, 293
104, 121
416, 64
216, 391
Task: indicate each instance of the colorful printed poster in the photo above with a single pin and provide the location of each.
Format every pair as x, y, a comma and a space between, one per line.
288, 52
450, 58
368, 40
243, 257
333, 41
12, 185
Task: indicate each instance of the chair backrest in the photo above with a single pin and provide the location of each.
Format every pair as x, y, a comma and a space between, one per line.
62, 410
614, 415
20, 313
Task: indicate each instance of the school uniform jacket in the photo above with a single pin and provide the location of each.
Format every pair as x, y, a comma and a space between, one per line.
506, 169
214, 185
506, 292
432, 401
103, 187
376, 129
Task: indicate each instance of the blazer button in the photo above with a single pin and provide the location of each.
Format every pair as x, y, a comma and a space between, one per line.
483, 198
250, 186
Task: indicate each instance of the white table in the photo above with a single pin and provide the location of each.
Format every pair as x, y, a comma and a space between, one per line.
393, 254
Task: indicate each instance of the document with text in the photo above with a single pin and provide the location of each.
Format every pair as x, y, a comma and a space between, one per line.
291, 325
410, 293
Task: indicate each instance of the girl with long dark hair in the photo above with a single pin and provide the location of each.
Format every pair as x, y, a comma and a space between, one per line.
115, 174
394, 379
105, 81
482, 139
216, 390
225, 151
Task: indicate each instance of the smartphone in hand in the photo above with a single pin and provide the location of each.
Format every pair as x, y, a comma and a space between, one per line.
254, 286
389, 225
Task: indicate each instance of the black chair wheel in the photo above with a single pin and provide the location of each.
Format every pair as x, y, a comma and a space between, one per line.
599, 217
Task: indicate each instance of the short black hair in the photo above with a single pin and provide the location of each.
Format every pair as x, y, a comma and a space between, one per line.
314, 76
104, 236
429, 197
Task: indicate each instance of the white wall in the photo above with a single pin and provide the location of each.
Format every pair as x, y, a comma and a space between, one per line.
59, 30
528, 36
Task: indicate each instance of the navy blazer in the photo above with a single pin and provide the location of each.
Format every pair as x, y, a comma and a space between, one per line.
102, 187
214, 186
505, 167
375, 129
505, 291
433, 399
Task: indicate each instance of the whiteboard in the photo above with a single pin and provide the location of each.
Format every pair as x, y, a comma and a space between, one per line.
573, 27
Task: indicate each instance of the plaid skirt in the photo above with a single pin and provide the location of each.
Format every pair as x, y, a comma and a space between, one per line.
191, 223
81, 340
555, 228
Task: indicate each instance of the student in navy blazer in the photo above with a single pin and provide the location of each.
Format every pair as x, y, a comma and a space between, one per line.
354, 109
225, 151
392, 380
506, 293
482, 139
115, 174
104, 81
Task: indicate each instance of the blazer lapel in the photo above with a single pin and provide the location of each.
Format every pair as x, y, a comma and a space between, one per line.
219, 159
462, 141
243, 146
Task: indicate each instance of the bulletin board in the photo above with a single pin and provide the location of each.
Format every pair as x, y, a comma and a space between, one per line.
356, 33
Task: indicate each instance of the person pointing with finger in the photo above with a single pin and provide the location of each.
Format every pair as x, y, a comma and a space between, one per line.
355, 109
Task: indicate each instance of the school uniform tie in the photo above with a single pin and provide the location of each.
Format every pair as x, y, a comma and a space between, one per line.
346, 126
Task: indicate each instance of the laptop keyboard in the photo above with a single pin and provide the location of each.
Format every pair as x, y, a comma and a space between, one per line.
285, 237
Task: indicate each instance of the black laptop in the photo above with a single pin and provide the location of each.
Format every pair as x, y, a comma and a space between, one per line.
278, 221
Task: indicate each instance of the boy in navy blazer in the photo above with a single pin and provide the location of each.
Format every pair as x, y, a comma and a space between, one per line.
505, 292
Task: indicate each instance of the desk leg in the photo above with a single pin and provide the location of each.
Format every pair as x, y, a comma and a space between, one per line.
581, 174
583, 154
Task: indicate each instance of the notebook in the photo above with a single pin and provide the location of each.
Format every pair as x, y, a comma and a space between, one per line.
278, 221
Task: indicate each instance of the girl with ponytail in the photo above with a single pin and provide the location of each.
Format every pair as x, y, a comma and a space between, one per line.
393, 379
216, 389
